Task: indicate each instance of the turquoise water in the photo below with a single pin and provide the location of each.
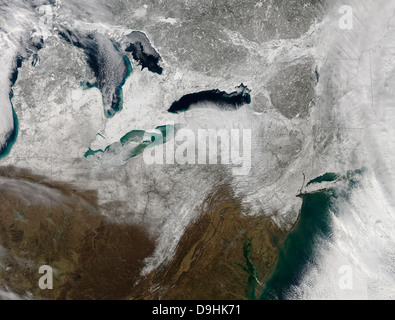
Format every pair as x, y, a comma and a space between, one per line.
118, 90
118, 104
12, 139
5, 150
133, 143
297, 252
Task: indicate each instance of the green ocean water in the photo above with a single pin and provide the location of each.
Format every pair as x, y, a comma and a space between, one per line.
297, 252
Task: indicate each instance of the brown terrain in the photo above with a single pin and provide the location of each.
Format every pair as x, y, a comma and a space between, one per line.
223, 255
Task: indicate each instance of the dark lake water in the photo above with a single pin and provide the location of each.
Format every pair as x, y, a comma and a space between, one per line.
226, 101
143, 52
109, 66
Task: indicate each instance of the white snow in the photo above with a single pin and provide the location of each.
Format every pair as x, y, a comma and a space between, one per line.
361, 62
59, 122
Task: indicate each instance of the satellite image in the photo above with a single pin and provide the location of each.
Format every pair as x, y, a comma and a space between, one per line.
197, 150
